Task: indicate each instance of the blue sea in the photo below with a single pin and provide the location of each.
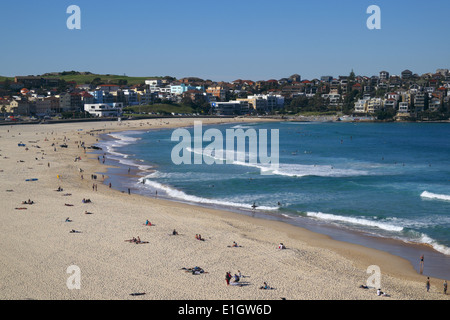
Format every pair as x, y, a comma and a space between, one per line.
383, 181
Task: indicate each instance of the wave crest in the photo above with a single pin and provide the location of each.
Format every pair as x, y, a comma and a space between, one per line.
353, 220
436, 196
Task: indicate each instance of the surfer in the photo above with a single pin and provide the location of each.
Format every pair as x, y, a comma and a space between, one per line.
254, 206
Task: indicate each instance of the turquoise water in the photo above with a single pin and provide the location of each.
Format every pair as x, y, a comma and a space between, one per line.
390, 180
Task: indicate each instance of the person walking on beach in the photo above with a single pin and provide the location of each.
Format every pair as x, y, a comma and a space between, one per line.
421, 264
445, 286
428, 284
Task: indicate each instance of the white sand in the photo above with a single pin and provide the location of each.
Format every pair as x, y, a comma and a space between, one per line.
37, 248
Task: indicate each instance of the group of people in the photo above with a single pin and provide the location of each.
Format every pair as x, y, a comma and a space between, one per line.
236, 278
28, 202
86, 200
199, 237
428, 285
136, 240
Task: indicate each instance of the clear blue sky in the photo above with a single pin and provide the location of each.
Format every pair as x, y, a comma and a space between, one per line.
224, 40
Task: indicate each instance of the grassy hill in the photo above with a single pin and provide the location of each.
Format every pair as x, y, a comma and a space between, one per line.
82, 78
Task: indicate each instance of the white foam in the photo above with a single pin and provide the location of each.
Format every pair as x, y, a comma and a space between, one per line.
289, 170
178, 194
438, 247
435, 196
357, 221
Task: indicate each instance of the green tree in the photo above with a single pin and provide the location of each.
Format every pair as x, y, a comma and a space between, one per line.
352, 76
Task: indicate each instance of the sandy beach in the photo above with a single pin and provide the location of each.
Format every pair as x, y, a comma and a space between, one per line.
37, 247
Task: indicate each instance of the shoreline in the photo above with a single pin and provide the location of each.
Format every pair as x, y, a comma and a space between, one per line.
411, 251
313, 260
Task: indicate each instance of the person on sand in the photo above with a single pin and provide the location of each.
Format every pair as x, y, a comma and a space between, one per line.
281, 246
228, 278
428, 285
148, 223
265, 286
421, 264
174, 232
363, 286
445, 286
381, 293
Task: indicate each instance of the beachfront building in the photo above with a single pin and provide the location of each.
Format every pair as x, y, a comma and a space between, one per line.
434, 104
390, 104
403, 107
70, 101
374, 104
420, 102
265, 102
361, 106
229, 108
104, 110
46, 106
19, 107
333, 98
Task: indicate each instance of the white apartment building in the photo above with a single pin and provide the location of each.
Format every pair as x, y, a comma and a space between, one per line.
103, 109
361, 106
374, 105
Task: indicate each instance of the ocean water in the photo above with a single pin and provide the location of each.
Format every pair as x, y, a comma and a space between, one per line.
386, 180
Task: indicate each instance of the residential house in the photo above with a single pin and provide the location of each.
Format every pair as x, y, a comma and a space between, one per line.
407, 74
384, 75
